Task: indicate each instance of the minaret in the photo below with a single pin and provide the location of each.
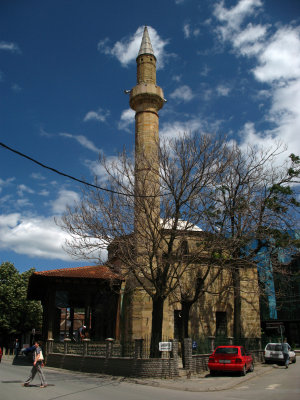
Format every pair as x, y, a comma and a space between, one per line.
146, 98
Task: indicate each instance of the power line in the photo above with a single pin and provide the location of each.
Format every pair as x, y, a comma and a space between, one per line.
66, 175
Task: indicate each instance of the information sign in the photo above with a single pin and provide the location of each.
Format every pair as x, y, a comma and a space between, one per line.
165, 346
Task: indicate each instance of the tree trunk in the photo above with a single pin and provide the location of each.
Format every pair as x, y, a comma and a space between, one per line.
156, 329
185, 314
237, 304
186, 306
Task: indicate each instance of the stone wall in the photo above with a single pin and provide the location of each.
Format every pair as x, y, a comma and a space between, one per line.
155, 368
135, 366
203, 313
119, 366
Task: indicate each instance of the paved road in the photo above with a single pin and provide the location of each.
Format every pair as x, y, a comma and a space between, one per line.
270, 383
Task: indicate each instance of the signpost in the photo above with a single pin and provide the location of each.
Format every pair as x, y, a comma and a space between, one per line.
165, 346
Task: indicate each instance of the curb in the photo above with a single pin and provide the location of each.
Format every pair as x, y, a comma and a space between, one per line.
194, 384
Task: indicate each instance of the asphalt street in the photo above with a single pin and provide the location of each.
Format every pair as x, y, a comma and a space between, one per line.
267, 382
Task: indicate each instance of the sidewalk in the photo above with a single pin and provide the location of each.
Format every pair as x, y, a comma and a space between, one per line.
196, 383
204, 382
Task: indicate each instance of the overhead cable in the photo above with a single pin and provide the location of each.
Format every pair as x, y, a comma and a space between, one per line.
66, 175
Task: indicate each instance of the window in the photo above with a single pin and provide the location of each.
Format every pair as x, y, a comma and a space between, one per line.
227, 350
221, 323
183, 249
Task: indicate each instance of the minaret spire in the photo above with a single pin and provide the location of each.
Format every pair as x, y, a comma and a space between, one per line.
146, 46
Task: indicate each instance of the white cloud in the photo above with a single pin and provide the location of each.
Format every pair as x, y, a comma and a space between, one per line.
44, 133
280, 58
24, 189
85, 142
65, 198
38, 236
23, 202
98, 170
223, 90
188, 31
32, 236
126, 49
9, 46
37, 176
177, 78
263, 141
6, 182
127, 120
183, 93
250, 40
99, 115
275, 53
5, 199
205, 70
234, 17
177, 128
278, 65
44, 192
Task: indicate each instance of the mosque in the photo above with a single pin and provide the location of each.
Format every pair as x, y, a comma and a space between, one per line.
97, 297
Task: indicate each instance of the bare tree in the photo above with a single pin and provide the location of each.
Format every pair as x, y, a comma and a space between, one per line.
145, 238
254, 211
242, 200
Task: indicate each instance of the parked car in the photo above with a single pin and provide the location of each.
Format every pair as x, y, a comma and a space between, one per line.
0, 354
273, 353
230, 359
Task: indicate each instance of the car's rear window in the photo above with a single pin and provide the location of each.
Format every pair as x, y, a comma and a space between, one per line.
274, 347
227, 350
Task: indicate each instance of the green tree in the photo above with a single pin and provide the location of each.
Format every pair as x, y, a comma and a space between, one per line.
18, 315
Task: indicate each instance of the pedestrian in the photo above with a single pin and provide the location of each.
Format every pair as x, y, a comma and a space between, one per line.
81, 332
17, 347
38, 363
285, 351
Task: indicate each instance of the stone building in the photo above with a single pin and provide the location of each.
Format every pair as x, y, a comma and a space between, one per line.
130, 311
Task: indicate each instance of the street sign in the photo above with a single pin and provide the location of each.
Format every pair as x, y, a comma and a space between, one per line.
165, 346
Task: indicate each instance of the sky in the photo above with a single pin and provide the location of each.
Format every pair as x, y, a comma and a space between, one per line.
226, 67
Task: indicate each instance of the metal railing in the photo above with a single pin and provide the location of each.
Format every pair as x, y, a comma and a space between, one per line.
101, 348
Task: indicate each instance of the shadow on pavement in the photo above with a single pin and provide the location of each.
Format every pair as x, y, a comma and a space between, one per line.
22, 360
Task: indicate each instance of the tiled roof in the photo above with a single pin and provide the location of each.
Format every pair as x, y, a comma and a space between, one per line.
89, 272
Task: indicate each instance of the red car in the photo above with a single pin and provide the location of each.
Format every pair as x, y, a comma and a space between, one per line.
231, 359
0, 354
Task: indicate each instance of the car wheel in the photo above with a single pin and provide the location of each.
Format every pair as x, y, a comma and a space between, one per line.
244, 371
251, 369
213, 373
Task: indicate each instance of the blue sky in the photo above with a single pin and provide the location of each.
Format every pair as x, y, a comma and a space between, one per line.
229, 67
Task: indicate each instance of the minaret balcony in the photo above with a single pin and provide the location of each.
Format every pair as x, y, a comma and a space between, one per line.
146, 93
